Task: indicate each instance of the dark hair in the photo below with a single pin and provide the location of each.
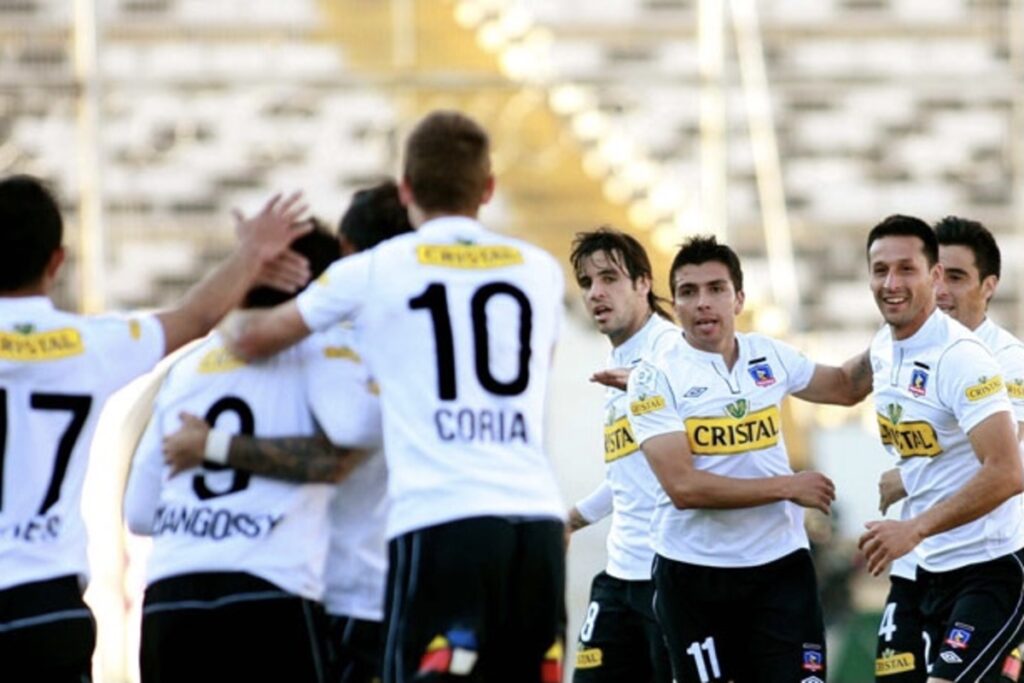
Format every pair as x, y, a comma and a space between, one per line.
899, 225
624, 251
31, 229
701, 249
447, 162
319, 247
976, 237
375, 214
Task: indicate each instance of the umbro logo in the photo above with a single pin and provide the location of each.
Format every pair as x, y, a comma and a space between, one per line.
694, 392
811, 679
950, 657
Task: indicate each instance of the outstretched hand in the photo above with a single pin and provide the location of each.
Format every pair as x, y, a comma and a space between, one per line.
276, 225
288, 272
616, 378
185, 448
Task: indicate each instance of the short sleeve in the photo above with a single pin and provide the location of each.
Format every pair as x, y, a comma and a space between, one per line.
971, 384
338, 294
652, 407
340, 391
1011, 362
598, 504
130, 346
799, 368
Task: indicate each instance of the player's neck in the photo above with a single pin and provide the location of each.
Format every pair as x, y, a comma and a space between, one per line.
420, 217
35, 289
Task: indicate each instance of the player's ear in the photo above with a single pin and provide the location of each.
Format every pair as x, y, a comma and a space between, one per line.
738, 306
488, 190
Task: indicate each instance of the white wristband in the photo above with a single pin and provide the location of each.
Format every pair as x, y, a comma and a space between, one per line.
217, 444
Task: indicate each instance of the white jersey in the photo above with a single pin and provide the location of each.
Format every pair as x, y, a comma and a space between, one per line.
733, 422
1009, 353
357, 559
633, 485
215, 518
458, 325
56, 371
930, 390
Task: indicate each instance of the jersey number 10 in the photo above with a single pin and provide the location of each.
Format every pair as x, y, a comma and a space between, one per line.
435, 300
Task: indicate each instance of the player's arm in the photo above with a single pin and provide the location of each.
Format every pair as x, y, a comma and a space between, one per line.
301, 459
688, 487
994, 441
597, 505
264, 237
263, 332
845, 385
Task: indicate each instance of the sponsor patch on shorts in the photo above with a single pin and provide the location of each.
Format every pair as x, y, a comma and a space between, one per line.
590, 658
892, 662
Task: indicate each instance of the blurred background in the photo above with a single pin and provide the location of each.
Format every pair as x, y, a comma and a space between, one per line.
786, 127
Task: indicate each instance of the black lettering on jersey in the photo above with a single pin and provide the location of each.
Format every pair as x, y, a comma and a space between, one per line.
35, 530
482, 426
215, 524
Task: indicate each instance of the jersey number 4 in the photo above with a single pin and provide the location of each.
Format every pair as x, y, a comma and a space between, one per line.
435, 300
78, 406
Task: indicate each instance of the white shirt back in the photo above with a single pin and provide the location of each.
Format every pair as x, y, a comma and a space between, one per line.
56, 371
343, 397
732, 420
215, 518
930, 390
458, 325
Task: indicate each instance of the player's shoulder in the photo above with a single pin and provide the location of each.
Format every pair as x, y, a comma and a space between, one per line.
999, 339
662, 334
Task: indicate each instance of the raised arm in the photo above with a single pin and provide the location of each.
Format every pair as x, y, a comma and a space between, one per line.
298, 458
994, 441
845, 385
688, 487
264, 237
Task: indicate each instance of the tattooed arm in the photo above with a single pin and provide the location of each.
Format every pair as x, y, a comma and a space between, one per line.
845, 385
291, 458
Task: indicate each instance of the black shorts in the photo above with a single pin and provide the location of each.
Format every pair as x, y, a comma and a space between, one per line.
620, 639
742, 624
973, 616
900, 653
47, 633
355, 648
229, 626
479, 599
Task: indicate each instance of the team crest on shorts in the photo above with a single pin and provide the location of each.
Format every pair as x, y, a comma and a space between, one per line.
814, 660
959, 637
918, 382
762, 374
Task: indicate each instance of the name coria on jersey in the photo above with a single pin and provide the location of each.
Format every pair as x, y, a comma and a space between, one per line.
484, 425
41, 346
738, 432
214, 523
910, 439
618, 440
468, 256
